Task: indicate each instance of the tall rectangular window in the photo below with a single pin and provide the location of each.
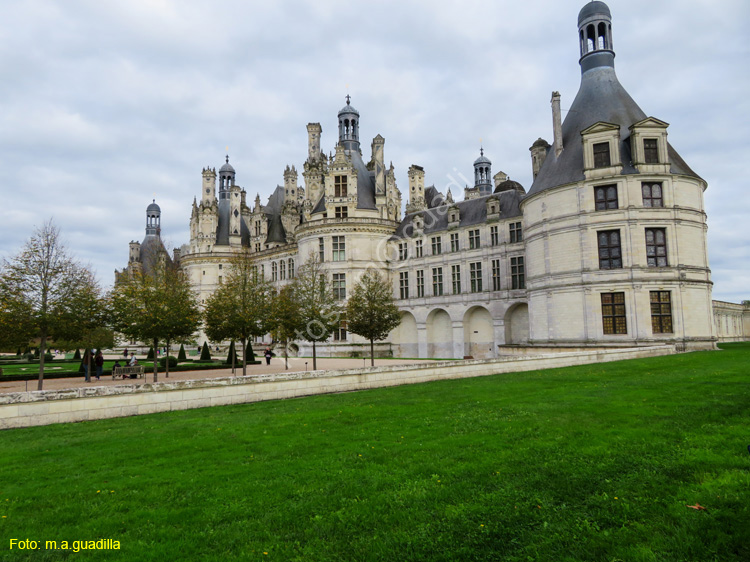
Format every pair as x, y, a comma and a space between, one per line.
661, 312
601, 155
437, 281
495, 275
282, 270
339, 186
456, 279
650, 151
274, 271
342, 212
418, 248
454, 242
613, 313
403, 281
257, 246
517, 273
610, 256
516, 233
656, 247
420, 283
321, 250
339, 286
291, 268
403, 250
437, 245
652, 194
494, 236
339, 248
257, 228
474, 239
605, 197
475, 277
340, 333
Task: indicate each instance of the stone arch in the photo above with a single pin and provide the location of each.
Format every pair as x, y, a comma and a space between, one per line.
439, 334
479, 333
404, 337
517, 324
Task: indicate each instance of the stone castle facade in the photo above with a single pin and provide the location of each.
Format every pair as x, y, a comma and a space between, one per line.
608, 247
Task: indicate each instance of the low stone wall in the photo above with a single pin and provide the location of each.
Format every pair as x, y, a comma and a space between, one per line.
25, 409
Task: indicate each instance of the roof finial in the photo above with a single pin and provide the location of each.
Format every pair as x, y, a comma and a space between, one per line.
348, 97
227, 159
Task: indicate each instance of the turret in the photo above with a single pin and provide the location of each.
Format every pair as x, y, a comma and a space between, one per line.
538, 154
349, 126
226, 179
314, 131
483, 174
416, 189
595, 36
208, 193
290, 184
379, 166
153, 219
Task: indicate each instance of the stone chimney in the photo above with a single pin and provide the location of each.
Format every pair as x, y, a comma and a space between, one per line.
557, 124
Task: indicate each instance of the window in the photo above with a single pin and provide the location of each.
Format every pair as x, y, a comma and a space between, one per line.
601, 155
418, 248
661, 312
257, 246
339, 286
494, 238
420, 283
274, 271
605, 197
473, 239
437, 243
656, 247
339, 186
321, 250
403, 250
650, 151
291, 268
495, 275
403, 279
516, 234
456, 278
517, 273
610, 256
282, 270
220, 280
613, 313
342, 212
652, 195
339, 248
475, 276
340, 333
454, 242
257, 228
263, 272
437, 281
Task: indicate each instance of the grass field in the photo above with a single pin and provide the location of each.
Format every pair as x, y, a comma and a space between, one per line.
595, 463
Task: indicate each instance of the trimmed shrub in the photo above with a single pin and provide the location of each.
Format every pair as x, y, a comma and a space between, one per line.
36, 352
249, 354
205, 352
231, 352
150, 353
77, 354
181, 357
18, 351
48, 357
172, 361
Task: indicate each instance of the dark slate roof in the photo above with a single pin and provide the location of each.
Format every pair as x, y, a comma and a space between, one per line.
472, 212
151, 248
365, 183
320, 206
275, 230
275, 202
593, 8
600, 97
222, 226
433, 197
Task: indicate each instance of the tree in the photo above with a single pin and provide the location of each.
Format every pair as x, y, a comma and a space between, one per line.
370, 311
43, 281
155, 306
205, 352
319, 311
240, 308
286, 319
16, 318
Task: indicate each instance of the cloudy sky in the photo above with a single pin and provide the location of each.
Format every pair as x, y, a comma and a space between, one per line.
105, 105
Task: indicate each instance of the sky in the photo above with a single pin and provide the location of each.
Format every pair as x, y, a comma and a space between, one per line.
105, 106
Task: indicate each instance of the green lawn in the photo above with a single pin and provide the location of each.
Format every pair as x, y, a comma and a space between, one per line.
595, 463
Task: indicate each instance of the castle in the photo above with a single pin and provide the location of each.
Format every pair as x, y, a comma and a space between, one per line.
608, 247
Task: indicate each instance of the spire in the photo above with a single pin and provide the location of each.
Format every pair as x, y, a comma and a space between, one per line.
349, 126
483, 173
153, 219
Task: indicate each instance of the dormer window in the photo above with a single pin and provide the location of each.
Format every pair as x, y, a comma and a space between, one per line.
339, 186
601, 155
650, 151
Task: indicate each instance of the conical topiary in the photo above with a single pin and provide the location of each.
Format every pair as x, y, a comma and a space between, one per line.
150, 353
231, 352
205, 352
77, 354
249, 355
181, 357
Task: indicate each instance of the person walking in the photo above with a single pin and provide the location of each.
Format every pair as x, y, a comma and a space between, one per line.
268, 354
99, 362
86, 357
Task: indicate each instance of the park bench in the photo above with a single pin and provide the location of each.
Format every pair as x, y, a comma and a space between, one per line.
125, 372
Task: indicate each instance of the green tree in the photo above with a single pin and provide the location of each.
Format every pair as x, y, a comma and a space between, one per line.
370, 310
318, 308
287, 321
47, 280
16, 318
155, 306
240, 308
